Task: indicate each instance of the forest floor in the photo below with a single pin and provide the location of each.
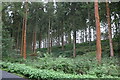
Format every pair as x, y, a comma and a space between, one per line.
60, 63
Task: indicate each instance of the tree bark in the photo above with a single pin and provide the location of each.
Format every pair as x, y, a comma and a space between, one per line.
24, 39
74, 44
109, 29
98, 33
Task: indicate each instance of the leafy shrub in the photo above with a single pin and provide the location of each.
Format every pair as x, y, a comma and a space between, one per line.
37, 73
84, 64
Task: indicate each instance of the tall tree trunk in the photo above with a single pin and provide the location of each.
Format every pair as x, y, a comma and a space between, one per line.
24, 39
69, 37
51, 42
80, 36
49, 37
109, 29
17, 45
45, 43
40, 39
74, 44
89, 28
116, 30
62, 38
98, 33
58, 37
89, 23
34, 41
21, 51
89, 34
116, 26
94, 33
29, 41
85, 34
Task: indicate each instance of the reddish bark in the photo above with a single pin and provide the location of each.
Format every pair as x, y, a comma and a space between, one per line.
109, 29
98, 33
24, 31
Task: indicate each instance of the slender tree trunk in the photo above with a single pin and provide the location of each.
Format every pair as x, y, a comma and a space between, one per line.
17, 47
29, 42
89, 18
109, 29
116, 27
34, 41
86, 35
89, 34
43, 43
69, 37
58, 37
17, 44
21, 51
98, 33
40, 39
80, 36
116, 30
94, 33
51, 42
74, 44
62, 38
49, 37
83, 35
46, 42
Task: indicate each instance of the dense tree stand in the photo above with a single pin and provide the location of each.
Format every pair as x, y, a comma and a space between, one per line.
60, 40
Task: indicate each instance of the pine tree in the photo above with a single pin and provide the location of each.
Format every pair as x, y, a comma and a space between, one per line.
98, 33
109, 29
